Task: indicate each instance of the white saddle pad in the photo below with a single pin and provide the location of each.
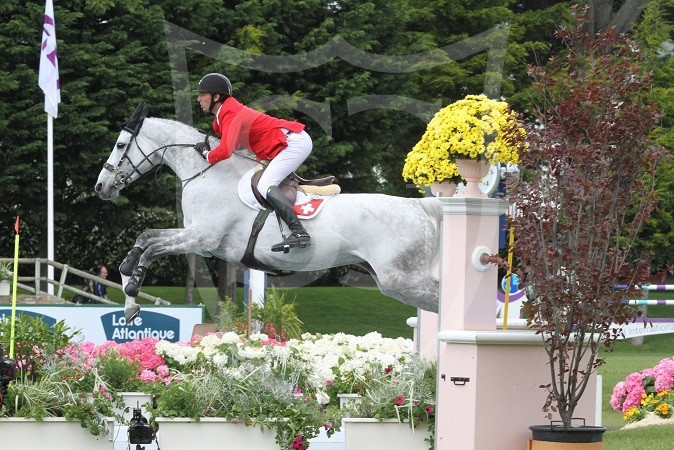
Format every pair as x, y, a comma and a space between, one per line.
307, 205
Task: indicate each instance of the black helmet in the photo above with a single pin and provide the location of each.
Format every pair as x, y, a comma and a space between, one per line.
215, 83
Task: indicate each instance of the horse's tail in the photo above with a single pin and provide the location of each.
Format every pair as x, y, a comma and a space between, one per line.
433, 209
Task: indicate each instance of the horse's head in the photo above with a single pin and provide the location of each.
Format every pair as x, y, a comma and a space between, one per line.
127, 162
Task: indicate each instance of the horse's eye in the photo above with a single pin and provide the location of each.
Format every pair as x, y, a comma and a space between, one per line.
121, 145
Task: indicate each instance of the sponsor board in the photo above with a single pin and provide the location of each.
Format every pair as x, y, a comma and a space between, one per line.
100, 323
647, 327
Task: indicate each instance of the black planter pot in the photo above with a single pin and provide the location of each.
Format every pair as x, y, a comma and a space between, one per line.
558, 433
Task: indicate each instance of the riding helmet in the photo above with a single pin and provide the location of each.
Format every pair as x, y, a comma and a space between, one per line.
215, 83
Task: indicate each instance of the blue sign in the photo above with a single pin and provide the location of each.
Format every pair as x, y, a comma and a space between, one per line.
6, 313
148, 325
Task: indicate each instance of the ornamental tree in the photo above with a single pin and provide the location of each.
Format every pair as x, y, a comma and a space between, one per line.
586, 189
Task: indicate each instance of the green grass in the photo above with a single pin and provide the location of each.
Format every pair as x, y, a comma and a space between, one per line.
355, 311
360, 310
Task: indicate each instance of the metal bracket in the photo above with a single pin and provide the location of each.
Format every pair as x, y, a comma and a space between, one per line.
476, 258
459, 381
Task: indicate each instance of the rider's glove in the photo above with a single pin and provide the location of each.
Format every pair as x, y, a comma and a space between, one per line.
202, 148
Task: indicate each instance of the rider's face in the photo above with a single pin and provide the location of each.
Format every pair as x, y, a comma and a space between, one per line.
204, 100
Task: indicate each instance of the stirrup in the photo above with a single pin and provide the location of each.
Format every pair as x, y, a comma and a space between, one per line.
295, 240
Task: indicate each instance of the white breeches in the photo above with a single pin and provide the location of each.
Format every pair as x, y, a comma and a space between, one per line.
287, 161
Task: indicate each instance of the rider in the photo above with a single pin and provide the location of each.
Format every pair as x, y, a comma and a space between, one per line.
283, 143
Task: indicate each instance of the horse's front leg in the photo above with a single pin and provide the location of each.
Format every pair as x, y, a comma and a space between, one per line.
151, 245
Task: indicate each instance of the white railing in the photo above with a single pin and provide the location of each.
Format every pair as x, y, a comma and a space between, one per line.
35, 281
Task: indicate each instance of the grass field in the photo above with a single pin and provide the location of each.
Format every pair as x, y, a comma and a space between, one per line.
361, 310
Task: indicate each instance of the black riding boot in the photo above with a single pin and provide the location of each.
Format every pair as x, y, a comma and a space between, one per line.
284, 209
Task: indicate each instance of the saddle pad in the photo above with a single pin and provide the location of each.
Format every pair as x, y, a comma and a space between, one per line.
307, 205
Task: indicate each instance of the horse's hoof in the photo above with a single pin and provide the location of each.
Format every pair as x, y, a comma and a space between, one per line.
131, 313
131, 261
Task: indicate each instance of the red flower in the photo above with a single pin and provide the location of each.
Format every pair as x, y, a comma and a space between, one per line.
298, 443
429, 409
400, 400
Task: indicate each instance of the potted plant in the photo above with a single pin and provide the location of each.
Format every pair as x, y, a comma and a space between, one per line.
475, 131
43, 402
397, 409
585, 191
5, 278
252, 407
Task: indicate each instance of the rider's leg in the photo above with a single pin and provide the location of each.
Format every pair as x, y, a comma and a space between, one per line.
298, 237
289, 159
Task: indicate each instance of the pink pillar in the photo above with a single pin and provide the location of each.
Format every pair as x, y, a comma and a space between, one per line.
488, 381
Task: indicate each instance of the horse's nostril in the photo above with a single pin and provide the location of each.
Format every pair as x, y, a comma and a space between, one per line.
98, 187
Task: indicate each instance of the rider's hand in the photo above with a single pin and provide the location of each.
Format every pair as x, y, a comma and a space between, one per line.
202, 148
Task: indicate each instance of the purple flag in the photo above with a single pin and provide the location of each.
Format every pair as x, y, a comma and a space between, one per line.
49, 66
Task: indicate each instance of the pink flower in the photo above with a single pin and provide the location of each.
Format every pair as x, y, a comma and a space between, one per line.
148, 376
388, 370
400, 400
429, 409
298, 443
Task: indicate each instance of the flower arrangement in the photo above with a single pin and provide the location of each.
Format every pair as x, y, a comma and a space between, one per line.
648, 391
290, 387
473, 128
407, 394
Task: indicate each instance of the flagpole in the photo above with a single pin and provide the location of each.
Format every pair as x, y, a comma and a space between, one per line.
50, 201
48, 80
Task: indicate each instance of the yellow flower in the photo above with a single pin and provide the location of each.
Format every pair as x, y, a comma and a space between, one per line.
663, 410
475, 127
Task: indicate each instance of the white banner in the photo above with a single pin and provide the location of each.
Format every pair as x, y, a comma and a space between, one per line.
100, 323
49, 66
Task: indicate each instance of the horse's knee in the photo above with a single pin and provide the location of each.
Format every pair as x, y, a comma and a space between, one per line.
131, 261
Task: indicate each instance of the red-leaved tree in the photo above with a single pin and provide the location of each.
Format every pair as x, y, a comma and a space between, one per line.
585, 190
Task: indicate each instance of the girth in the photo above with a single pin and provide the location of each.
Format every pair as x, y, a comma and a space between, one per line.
289, 188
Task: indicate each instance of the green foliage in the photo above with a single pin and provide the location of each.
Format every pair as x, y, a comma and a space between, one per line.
51, 396
408, 396
35, 343
5, 271
118, 373
278, 317
260, 398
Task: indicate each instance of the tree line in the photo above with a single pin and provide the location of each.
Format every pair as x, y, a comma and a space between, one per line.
365, 76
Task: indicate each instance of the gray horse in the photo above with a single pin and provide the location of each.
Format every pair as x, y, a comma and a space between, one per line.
396, 239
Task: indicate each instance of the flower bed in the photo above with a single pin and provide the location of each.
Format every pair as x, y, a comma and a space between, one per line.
289, 387
647, 393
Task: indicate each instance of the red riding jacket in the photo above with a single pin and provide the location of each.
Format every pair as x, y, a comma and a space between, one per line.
256, 131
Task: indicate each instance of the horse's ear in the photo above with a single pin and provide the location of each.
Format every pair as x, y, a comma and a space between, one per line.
143, 115
132, 122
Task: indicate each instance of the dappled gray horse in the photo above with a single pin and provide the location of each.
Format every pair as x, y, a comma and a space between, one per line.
396, 239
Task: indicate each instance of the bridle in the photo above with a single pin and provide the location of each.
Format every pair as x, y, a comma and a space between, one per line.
133, 125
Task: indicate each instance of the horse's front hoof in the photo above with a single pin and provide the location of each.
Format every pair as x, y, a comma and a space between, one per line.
131, 261
131, 312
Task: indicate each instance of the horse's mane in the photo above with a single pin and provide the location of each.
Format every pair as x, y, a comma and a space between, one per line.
196, 135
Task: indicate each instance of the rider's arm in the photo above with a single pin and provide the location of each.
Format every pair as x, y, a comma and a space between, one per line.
228, 126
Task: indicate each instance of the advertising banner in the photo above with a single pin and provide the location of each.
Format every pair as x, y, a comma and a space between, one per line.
100, 323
